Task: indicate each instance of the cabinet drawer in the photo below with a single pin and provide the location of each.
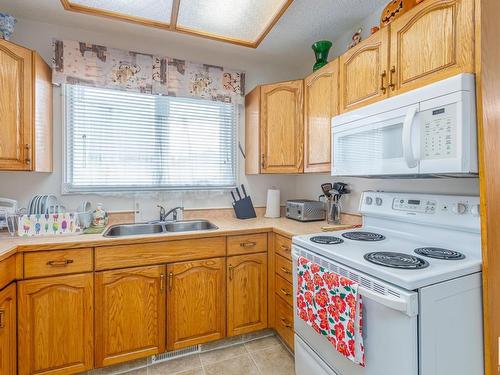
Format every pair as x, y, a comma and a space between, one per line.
122, 256
284, 289
283, 246
284, 268
245, 244
60, 262
284, 321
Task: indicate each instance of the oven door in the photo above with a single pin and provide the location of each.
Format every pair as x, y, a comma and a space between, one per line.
375, 145
389, 328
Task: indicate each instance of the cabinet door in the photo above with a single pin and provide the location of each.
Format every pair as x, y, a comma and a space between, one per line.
8, 334
15, 107
196, 302
431, 42
130, 314
56, 325
320, 105
246, 293
282, 127
363, 72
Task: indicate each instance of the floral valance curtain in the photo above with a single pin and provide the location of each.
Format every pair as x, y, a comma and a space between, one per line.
94, 65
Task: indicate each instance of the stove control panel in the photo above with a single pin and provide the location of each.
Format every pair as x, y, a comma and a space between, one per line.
459, 212
427, 206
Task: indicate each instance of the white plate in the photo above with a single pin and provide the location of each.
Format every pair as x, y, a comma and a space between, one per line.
30, 205
35, 205
43, 202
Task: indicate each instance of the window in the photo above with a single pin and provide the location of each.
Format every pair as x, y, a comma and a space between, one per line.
123, 141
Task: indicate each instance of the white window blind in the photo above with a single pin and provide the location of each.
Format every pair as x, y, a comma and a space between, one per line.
118, 141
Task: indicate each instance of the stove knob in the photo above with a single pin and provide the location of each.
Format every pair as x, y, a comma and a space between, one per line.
368, 200
474, 210
378, 201
459, 208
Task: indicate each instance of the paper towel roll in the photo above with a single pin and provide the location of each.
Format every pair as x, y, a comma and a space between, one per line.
273, 203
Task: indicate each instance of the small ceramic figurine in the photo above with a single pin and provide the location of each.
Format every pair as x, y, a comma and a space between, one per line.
356, 38
395, 9
7, 23
99, 217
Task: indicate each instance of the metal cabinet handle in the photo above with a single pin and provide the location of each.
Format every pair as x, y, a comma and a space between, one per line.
382, 80
285, 292
231, 271
170, 280
2, 318
59, 263
263, 161
392, 85
162, 282
285, 323
28, 159
285, 270
248, 244
286, 248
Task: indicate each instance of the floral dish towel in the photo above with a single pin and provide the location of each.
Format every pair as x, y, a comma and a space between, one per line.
331, 305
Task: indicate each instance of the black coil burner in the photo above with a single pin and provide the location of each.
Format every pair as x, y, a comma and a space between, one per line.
327, 240
396, 260
363, 236
439, 253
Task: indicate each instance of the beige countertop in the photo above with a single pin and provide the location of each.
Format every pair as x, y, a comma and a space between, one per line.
227, 226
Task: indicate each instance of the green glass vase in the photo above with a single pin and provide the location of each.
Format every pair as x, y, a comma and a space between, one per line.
321, 50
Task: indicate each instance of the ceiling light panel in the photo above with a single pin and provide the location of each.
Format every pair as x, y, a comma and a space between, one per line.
153, 10
244, 20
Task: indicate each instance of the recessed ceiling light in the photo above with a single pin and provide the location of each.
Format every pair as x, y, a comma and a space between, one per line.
243, 22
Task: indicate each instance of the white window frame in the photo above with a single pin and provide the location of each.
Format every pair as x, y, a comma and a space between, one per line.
66, 189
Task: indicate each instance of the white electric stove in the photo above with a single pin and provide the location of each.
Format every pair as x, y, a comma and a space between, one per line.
417, 260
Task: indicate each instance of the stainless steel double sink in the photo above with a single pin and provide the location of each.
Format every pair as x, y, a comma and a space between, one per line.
123, 230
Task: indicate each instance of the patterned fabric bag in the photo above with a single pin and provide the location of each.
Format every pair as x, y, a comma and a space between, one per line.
331, 305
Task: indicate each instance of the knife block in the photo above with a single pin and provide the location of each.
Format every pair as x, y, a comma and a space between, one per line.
243, 208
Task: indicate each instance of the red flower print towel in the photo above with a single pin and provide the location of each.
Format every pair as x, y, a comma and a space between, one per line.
331, 305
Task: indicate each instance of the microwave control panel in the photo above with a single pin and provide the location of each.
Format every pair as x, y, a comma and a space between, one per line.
439, 132
427, 206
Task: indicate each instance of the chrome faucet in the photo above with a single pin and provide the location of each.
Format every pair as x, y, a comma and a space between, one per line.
173, 211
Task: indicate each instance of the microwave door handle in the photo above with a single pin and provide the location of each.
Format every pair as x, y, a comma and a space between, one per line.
409, 156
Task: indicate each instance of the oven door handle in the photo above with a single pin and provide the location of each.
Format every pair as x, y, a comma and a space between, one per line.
411, 160
409, 307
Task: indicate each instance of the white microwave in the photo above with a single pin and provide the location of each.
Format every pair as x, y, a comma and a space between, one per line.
427, 132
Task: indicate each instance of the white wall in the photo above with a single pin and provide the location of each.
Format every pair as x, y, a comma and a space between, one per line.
308, 186
21, 185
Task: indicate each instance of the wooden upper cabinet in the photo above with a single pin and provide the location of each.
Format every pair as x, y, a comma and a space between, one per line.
25, 110
282, 127
15, 107
364, 72
433, 41
247, 293
56, 325
130, 314
8, 331
196, 302
320, 105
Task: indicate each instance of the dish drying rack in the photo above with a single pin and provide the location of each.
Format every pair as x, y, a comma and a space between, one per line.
44, 216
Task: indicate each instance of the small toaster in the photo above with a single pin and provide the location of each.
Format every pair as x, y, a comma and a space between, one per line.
305, 210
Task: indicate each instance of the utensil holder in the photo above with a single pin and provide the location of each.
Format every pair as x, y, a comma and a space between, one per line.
244, 209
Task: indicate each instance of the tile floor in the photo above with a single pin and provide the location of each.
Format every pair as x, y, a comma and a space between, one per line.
265, 356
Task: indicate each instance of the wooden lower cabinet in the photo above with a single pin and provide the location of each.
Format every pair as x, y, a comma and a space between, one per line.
196, 302
130, 314
8, 334
56, 325
246, 293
